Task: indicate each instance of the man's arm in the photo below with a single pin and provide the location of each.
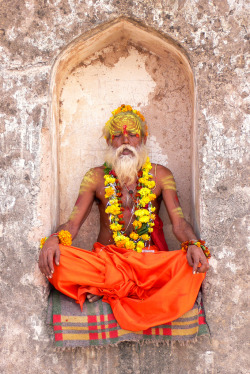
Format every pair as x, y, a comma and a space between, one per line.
82, 208
181, 228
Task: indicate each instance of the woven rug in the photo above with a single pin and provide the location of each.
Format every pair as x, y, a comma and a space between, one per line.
96, 324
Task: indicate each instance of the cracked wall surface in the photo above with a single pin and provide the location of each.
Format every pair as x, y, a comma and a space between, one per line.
214, 35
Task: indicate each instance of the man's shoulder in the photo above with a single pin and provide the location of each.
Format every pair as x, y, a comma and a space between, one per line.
160, 171
93, 178
96, 171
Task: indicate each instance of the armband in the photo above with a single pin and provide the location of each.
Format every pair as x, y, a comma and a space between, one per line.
198, 243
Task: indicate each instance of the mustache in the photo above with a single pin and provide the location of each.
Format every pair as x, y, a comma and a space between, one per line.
123, 147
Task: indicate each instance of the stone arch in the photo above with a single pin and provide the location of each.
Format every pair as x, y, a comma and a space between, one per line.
121, 62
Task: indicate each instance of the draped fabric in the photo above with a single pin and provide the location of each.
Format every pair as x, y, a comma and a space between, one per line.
143, 289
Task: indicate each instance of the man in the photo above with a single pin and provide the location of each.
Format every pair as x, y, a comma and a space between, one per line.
145, 285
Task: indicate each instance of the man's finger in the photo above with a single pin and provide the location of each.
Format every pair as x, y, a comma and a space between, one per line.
189, 259
44, 268
50, 263
204, 267
195, 267
57, 257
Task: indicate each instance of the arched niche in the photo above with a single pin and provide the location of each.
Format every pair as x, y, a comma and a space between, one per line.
121, 62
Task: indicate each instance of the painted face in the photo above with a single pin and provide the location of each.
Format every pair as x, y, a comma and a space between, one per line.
127, 125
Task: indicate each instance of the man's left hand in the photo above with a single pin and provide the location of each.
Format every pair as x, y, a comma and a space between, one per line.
195, 256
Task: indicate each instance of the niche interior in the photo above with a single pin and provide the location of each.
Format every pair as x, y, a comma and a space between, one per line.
121, 62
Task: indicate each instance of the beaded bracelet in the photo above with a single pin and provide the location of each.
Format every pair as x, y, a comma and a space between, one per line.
199, 243
64, 237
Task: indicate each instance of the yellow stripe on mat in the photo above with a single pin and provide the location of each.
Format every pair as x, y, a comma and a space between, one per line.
76, 336
176, 323
183, 332
125, 332
83, 319
191, 313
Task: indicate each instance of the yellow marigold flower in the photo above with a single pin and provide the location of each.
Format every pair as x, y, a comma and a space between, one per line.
109, 179
144, 201
118, 238
152, 196
153, 209
144, 191
113, 201
109, 191
139, 246
151, 224
121, 244
139, 250
113, 209
137, 224
141, 212
130, 245
152, 216
145, 237
150, 184
115, 227
142, 180
147, 166
134, 235
150, 229
43, 240
65, 237
144, 219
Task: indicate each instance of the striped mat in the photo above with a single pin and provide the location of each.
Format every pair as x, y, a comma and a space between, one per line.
96, 324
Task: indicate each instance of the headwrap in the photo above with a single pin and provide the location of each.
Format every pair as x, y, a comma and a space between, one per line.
125, 119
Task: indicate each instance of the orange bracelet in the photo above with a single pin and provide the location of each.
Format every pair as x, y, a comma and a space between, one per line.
199, 243
64, 237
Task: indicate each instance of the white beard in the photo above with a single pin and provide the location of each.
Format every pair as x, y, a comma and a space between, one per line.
126, 167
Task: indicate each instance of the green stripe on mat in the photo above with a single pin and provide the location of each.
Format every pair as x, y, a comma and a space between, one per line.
57, 310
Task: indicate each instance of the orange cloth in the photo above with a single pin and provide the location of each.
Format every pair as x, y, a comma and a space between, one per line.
143, 289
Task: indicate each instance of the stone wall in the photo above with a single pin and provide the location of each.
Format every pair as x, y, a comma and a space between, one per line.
213, 34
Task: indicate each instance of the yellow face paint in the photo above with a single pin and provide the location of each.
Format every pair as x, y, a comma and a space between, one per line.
168, 183
87, 181
74, 213
125, 124
178, 212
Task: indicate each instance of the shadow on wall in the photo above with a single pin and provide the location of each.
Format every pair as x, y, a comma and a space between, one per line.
121, 62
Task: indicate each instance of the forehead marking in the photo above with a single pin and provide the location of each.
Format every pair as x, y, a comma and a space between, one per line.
125, 130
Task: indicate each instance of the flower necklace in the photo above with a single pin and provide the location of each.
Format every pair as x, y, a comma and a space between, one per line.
144, 221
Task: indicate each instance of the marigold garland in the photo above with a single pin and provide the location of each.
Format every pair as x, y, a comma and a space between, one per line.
198, 243
144, 217
64, 237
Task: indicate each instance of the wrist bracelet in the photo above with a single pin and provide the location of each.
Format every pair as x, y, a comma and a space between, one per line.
64, 238
199, 243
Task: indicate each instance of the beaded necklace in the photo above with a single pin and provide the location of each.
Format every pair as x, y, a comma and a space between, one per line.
143, 208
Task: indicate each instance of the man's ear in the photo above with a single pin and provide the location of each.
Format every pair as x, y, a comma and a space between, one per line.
108, 141
144, 139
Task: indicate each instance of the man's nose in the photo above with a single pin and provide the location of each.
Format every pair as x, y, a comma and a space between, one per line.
125, 139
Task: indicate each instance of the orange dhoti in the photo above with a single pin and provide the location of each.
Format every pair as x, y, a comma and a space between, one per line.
144, 289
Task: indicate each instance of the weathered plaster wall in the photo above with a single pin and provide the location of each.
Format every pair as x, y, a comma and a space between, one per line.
214, 35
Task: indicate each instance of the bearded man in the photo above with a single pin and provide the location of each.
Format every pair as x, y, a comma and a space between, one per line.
130, 265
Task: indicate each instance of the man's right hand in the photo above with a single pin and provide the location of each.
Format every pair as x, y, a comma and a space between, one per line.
48, 253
